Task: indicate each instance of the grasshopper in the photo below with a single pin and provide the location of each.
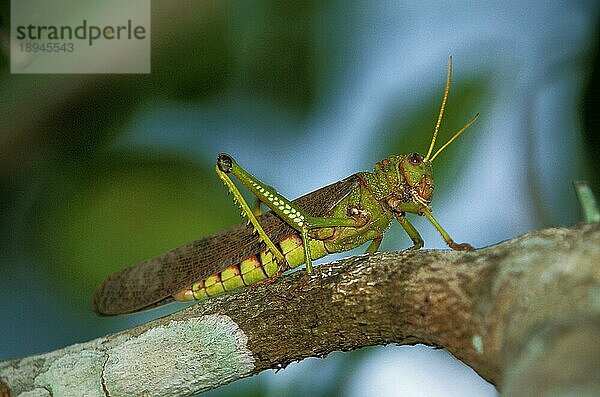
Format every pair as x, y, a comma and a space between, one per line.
335, 218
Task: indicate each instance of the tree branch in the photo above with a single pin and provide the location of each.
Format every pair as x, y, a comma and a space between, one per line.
525, 314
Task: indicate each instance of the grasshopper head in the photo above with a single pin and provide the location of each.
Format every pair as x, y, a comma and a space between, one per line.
417, 172
416, 169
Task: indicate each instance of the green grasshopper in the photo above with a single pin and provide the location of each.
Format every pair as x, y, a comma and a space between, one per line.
335, 218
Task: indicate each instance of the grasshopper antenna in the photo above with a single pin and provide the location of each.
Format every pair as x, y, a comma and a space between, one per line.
455, 136
441, 114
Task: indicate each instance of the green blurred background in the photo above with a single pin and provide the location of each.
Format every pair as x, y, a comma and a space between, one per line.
100, 171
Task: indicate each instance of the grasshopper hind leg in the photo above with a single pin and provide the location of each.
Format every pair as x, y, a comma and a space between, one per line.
289, 212
224, 166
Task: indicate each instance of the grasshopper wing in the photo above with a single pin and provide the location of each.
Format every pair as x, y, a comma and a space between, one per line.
152, 282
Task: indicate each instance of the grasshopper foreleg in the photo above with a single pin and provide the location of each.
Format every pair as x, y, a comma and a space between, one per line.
446, 236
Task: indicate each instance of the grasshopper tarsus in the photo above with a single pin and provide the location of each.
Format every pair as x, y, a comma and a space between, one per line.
416, 246
461, 246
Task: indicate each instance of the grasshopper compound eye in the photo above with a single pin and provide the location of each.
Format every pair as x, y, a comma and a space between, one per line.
414, 158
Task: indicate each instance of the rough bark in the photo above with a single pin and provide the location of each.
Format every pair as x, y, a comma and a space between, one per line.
525, 314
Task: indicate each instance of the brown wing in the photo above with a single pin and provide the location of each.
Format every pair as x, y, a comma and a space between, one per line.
151, 283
